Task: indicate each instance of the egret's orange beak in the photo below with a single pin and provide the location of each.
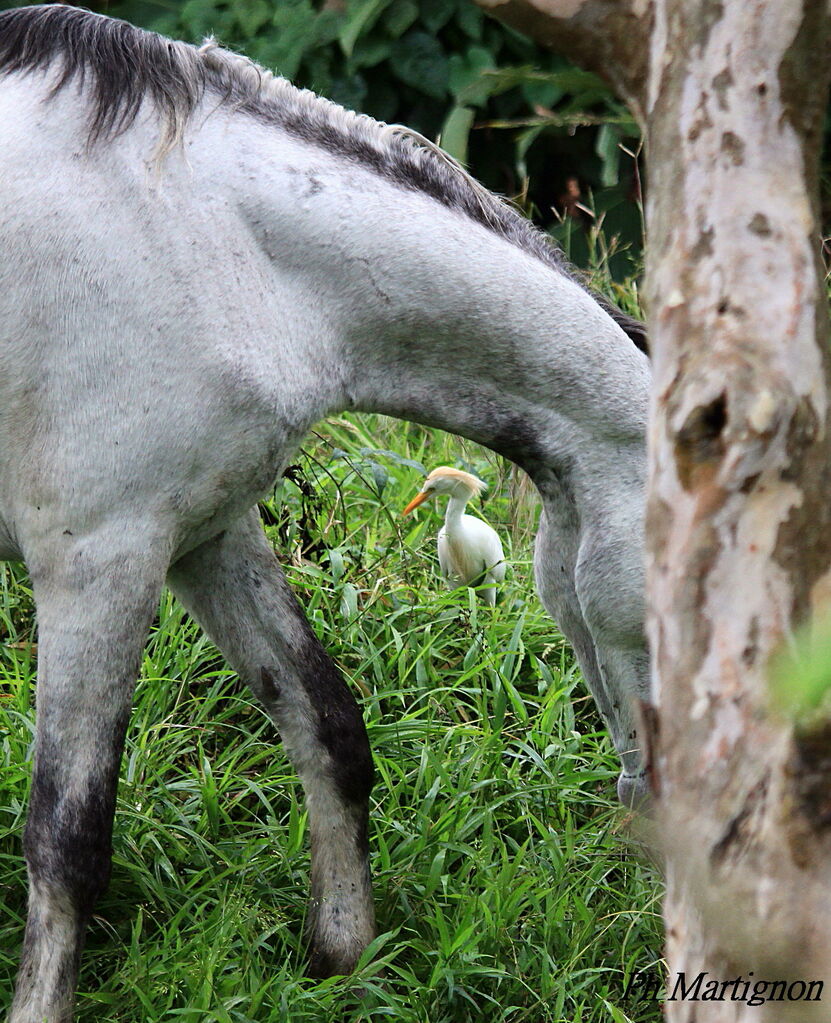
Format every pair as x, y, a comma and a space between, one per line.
416, 501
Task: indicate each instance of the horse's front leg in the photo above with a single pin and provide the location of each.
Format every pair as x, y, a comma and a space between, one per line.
235, 588
594, 593
95, 601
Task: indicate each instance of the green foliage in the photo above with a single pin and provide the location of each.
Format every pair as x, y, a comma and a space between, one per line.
800, 676
504, 886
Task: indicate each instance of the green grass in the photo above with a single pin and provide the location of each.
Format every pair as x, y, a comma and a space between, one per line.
505, 885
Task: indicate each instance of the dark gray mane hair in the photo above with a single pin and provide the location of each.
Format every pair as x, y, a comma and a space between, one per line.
121, 66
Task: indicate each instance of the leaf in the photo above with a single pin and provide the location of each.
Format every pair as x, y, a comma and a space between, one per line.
201, 17
456, 131
800, 677
470, 20
393, 456
252, 15
349, 91
608, 149
326, 27
570, 81
370, 954
527, 138
400, 17
468, 80
380, 476
435, 872
360, 15
349, 601
336, 565
295, 31
419, 60
369, 51
436, 13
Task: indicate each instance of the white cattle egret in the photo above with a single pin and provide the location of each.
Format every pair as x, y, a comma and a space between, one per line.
470, 552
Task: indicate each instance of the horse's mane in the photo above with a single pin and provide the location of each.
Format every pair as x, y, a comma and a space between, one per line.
121, 66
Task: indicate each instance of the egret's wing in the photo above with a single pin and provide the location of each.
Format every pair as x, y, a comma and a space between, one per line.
485, 547
445, 557
471, 554
460, 562
495, 558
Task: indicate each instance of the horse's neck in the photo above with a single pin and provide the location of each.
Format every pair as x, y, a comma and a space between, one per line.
417, 311
331, 287
473, 335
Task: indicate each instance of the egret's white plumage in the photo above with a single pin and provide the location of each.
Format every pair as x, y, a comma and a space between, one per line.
470, 551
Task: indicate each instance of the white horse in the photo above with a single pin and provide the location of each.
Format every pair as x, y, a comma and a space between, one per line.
199, 261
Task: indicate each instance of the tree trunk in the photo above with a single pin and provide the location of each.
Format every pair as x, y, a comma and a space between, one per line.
732, 96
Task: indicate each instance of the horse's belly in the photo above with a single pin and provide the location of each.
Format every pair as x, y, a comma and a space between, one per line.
9, 549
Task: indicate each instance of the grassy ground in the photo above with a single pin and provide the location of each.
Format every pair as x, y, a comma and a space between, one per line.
506, 888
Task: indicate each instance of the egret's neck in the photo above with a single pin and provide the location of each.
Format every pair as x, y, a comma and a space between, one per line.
453, 513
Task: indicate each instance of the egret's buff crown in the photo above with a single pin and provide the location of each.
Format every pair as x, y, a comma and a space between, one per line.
475, 485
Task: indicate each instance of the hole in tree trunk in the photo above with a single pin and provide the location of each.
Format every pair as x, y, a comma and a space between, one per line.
700, 444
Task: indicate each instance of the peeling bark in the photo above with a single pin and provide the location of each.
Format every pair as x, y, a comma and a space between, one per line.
732, 94
740, 454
